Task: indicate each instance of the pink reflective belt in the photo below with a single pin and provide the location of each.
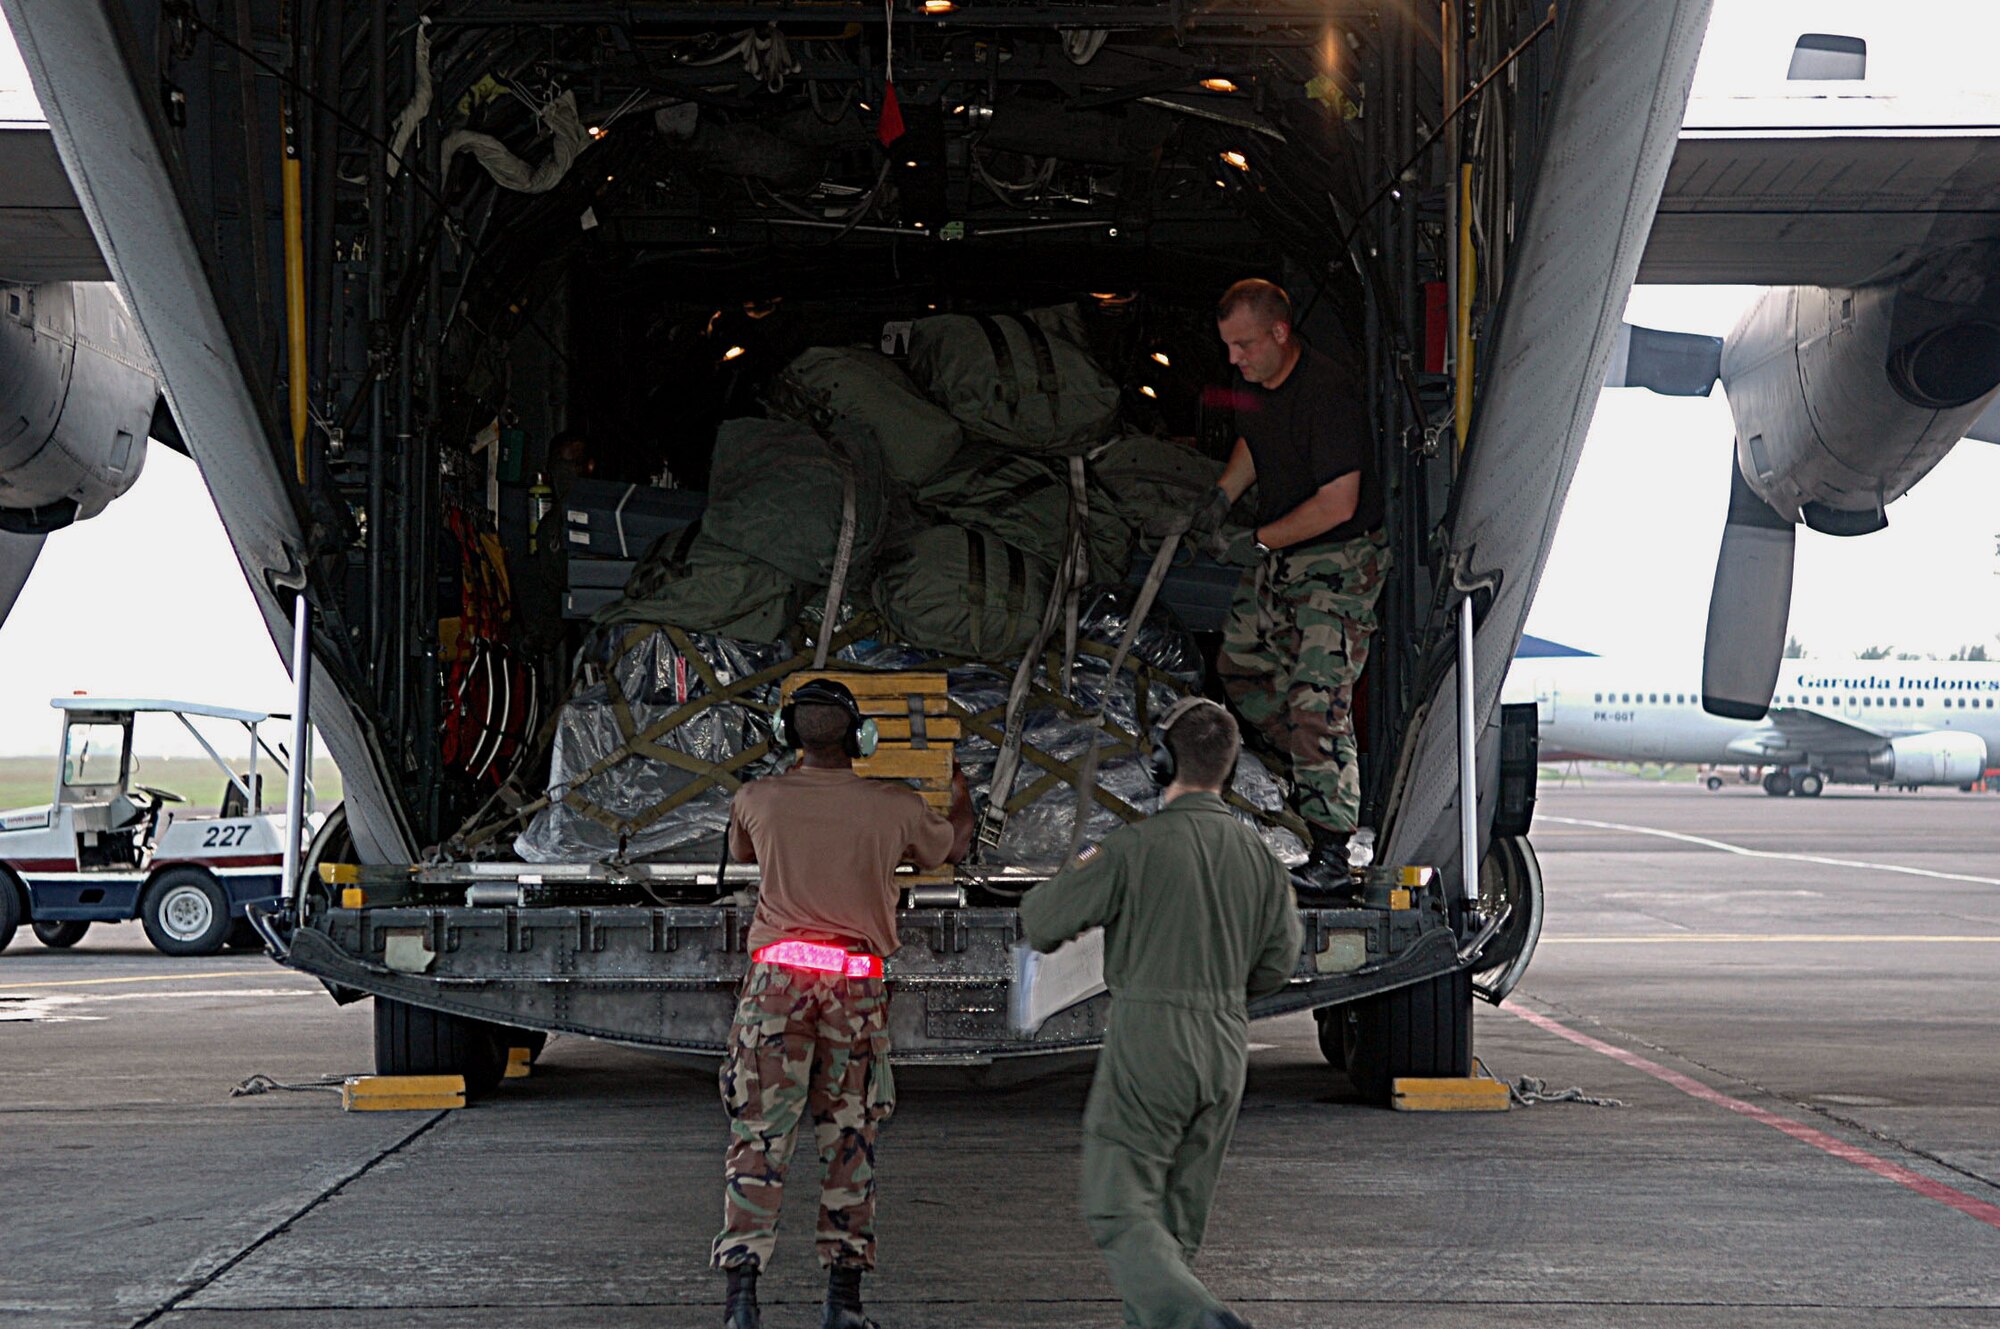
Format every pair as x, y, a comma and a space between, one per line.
819, 958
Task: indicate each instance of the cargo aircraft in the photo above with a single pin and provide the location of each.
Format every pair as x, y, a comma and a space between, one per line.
1905, 723
359, 241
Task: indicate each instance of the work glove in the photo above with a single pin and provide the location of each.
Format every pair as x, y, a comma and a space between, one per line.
1197, 528
1235, 546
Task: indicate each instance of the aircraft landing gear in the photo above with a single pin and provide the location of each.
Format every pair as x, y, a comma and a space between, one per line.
1713, 781
1809, 785
1777, 783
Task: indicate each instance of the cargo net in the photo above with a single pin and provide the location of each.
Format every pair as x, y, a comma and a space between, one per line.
653, 742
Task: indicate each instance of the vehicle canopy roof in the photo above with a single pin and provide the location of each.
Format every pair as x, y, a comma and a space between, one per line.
135, 704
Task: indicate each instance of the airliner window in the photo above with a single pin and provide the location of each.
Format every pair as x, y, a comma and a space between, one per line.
1628, 698
1827, 55
1653, 698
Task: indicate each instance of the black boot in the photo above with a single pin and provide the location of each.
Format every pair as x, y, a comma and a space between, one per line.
1326, 872
843, 1300
739, 1304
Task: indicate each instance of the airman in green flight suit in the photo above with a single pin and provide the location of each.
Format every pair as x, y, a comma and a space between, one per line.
1199, 919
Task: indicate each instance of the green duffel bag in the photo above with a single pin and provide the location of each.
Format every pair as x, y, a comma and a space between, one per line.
1153, 481
1025, 380
687, 581
962, 591
1025, 501
841, 390
774, 494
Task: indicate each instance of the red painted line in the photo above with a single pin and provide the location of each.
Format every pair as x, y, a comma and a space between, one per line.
240, 861
43, 864
1981, 1210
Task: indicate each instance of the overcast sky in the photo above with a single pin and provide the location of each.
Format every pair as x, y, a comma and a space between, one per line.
147, 599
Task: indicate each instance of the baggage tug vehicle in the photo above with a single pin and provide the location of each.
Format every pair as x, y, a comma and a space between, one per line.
108, 850
397, 263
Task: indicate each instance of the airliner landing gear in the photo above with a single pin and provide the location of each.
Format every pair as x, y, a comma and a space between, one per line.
1777, 783
1809, 785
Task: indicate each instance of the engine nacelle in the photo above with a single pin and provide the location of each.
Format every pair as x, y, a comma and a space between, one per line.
77, 395
1843, 399
1940, 757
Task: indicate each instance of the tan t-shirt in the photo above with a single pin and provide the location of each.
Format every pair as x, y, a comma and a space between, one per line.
828, 842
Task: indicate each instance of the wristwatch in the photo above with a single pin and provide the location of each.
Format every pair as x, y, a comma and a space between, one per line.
1263, 550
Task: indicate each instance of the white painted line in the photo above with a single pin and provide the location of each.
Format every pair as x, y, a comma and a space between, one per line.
1723, 846
190, 977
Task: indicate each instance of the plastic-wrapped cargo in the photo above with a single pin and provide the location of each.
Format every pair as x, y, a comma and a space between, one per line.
610, 801
606, 808
1024, 380
846, 390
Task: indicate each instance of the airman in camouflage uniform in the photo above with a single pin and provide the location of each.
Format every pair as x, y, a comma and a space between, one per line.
811, 1032
1298, 631
1296, 642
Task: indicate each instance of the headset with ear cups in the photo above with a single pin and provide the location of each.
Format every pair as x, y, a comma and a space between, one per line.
1161, 762
862, 734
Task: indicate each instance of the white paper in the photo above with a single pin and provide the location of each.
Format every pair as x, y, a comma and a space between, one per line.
1045, 985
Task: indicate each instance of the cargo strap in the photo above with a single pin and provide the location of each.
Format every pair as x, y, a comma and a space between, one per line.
1149, 590
843, 553
1007, 765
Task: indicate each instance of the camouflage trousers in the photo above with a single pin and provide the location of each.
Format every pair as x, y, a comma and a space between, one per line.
1295, 643
804, 1044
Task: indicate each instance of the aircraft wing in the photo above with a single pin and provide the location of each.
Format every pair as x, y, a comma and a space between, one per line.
1792, 729
44, 236
17, 560
1758, 197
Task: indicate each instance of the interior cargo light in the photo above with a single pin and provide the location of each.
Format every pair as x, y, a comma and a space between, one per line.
1218, 85
939, 6
732, 353
1160, 358
598, 131
1236, 159
911, 164
864, 106
1147, 389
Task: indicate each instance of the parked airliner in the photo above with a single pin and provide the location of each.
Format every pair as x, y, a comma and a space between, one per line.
1883, 722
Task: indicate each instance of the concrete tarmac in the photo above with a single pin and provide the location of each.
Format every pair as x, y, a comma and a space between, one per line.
1795, 1000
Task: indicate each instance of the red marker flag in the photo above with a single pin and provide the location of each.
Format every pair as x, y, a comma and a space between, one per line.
890, 127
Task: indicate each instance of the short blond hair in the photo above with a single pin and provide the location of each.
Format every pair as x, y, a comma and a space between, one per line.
1266, 299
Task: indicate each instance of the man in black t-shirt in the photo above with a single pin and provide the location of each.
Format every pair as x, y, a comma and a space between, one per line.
1299, 626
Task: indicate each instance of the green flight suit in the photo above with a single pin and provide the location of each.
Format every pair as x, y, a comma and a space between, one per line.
1198, 919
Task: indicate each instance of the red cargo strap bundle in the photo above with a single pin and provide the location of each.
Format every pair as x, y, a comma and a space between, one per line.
819, 958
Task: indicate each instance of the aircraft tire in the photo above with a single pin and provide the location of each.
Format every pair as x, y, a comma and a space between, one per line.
61, 935
1714, 782
415, 1040
1777, 784
13, 904
1421, 1030
1332, 1022
185, 912
1810, 785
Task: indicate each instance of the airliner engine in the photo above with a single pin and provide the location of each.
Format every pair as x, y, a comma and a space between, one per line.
1934, 758
77, 395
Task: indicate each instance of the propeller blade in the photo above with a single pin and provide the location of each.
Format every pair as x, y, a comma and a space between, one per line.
17, 560
1673, 364
1749, 608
